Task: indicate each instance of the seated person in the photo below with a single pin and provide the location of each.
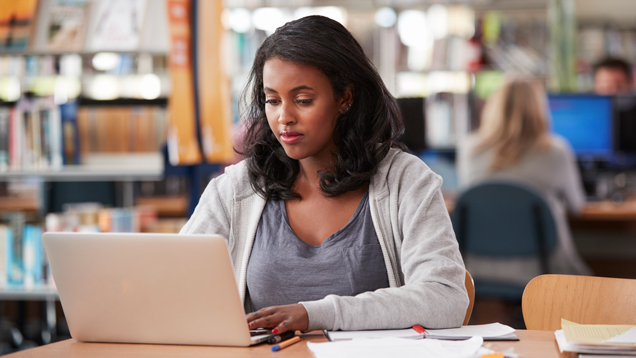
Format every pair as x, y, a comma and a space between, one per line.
330, 224
612, 76
513, 143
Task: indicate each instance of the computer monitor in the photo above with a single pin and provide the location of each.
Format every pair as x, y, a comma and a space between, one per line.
625, 112
586, 121
413, 117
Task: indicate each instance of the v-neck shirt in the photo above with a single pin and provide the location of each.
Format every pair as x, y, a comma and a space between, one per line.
283, 269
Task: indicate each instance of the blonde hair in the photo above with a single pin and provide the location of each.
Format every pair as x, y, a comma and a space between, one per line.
513, 121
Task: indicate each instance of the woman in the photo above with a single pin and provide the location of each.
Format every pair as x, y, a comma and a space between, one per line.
328, 225
513, 143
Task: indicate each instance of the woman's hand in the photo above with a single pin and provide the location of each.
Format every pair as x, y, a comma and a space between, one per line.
280, 318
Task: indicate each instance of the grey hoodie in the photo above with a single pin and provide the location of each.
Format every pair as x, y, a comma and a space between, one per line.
425, 269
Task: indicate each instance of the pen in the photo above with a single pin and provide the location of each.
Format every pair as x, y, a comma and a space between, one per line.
286, 343
419, 329
277, 338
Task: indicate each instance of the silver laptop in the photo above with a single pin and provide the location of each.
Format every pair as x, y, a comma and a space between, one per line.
148, 288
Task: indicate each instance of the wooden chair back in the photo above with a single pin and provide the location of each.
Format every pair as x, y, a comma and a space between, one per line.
470, 288
581, 299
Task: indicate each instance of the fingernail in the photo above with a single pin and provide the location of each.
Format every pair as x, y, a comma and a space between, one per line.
249, 325
275, 330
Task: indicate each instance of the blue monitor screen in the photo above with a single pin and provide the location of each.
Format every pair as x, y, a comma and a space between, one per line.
585, 121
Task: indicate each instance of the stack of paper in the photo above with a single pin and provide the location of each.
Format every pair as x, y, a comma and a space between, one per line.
489, 332
597, 338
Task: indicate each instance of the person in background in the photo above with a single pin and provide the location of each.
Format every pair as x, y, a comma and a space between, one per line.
514, 143
330, 225
612, 76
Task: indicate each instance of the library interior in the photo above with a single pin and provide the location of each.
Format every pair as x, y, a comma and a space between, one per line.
119, 116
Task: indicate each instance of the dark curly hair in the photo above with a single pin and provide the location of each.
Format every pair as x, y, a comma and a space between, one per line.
363, 135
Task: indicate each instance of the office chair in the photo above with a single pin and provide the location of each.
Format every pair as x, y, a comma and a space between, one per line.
470, 289
580, 299
504, 219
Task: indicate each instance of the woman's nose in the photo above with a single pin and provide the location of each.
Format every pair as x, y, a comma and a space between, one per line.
287, 115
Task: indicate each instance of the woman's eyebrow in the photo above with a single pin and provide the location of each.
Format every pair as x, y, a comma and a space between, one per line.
295, 89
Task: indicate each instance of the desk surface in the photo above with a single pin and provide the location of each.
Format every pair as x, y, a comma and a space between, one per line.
531, 344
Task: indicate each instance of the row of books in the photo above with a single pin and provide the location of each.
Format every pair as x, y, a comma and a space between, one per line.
93, 217
115, 129
31, 136
22, 259
83, 25
36, 134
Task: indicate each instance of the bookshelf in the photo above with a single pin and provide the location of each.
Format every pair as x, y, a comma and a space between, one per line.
35, 293
100, 167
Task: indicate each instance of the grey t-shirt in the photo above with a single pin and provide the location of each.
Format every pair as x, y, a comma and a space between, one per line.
283, 269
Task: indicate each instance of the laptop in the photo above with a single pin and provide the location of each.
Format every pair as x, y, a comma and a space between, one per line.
148, 288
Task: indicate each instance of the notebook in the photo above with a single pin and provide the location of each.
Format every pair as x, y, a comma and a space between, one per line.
148, 288
489, 332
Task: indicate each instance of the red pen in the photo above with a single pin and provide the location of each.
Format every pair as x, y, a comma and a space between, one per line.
419, 329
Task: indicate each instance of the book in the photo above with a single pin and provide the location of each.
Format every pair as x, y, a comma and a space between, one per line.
16, 22
4, 138
32, 255
5, 236
596, 338
118, 25
67, 25
69, 134
489, 332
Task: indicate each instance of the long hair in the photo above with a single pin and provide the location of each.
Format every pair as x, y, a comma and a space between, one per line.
513, 121
363, 135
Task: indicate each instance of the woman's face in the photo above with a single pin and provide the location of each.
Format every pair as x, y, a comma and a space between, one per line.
301, 109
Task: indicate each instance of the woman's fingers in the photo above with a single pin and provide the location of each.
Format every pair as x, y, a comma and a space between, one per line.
280, 318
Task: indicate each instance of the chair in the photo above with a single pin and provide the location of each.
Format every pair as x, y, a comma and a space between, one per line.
470, 289
504, 219
580, 299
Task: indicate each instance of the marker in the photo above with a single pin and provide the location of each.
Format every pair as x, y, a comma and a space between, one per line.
277, 338
419, 329
286, 343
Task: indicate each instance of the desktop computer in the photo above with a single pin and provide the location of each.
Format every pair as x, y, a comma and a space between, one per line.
586, 121
413, 117
625, 122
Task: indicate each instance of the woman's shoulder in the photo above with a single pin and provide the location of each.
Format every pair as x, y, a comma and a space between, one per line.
236, 178
400, 166
560, 147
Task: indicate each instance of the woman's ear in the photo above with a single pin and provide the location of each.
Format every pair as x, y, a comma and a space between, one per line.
346, 100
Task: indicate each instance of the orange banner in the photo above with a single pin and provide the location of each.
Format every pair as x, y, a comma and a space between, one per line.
183, 147
214, 85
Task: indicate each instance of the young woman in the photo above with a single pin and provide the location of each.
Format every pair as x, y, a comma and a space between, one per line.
328, 225
513, 143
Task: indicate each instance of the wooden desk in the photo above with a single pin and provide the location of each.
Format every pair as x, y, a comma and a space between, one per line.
532, 344
607, 210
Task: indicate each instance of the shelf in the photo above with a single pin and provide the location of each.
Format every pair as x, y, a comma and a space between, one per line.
36, 293
100, 167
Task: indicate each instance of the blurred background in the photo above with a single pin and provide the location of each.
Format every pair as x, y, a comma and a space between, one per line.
114, 114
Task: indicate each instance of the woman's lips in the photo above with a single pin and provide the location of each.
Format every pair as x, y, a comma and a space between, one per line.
290, 137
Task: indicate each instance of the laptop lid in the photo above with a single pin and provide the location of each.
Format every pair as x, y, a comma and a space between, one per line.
148, 288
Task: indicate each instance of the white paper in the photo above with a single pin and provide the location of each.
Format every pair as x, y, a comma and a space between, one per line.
483, 330
561, 341
627, 337
389, 333
396, 347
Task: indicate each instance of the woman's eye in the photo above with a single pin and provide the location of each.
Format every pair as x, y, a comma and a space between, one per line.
304, 101
272, 101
